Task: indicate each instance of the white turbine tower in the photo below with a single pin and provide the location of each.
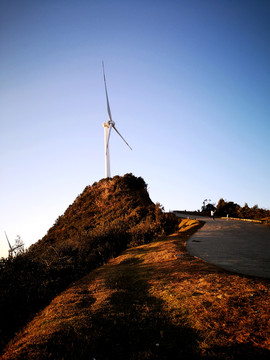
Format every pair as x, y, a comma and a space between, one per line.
108, 125
12, 248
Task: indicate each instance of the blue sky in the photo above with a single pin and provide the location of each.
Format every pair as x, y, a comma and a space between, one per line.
189, 89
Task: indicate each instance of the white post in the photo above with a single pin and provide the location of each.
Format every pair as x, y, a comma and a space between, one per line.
107, 154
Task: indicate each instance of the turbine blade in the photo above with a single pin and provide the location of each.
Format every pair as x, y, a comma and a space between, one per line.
121, 137
8, 241
16, 247
107, 98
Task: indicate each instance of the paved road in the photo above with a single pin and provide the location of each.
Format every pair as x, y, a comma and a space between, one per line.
233, 245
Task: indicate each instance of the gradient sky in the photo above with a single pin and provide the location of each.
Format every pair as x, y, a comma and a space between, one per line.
189, 89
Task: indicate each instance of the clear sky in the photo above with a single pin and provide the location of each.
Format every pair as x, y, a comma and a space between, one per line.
189, 89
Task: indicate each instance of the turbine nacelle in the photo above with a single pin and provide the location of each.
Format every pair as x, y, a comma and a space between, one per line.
109, 123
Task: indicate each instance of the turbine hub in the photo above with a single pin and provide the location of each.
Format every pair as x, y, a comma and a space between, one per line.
108, 123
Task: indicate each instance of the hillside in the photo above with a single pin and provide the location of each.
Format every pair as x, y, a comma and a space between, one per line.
154, 301
118, 208
105, 219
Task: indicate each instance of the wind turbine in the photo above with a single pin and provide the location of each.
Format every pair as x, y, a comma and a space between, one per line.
108, 126
12, 249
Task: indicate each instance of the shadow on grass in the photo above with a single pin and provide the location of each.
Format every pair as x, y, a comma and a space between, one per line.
134, 324
131, 325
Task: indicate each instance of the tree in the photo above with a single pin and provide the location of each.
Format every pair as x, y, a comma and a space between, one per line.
225, 208
207, 207
232, 209
19, 246
221, 207
244, 212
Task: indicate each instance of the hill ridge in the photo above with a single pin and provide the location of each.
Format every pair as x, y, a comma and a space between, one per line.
105, 219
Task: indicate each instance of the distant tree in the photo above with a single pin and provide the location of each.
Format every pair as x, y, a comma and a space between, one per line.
254, 211
207, 207
19, 246
222, 207
244, 212
204, 204
227, 208
232, 209
210, 207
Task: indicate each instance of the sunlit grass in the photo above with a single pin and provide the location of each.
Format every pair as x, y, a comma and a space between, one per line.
154, 301
188, 224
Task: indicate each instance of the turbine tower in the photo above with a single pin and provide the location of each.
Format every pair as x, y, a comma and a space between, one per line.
108, 125
12, 248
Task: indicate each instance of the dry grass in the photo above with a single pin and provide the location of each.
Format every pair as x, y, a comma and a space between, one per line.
153, 302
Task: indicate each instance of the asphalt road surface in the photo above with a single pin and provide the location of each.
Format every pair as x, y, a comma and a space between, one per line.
233, 245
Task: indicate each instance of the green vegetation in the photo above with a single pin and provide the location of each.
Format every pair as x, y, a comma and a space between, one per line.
234, 210
107, 218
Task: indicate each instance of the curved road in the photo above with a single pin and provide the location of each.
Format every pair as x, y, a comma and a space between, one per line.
233, 245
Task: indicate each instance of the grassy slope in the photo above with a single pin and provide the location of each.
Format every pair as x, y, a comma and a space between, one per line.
104, 220
111, 205
153, 302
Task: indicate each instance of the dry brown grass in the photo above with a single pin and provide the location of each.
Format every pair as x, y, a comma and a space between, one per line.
153, 302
